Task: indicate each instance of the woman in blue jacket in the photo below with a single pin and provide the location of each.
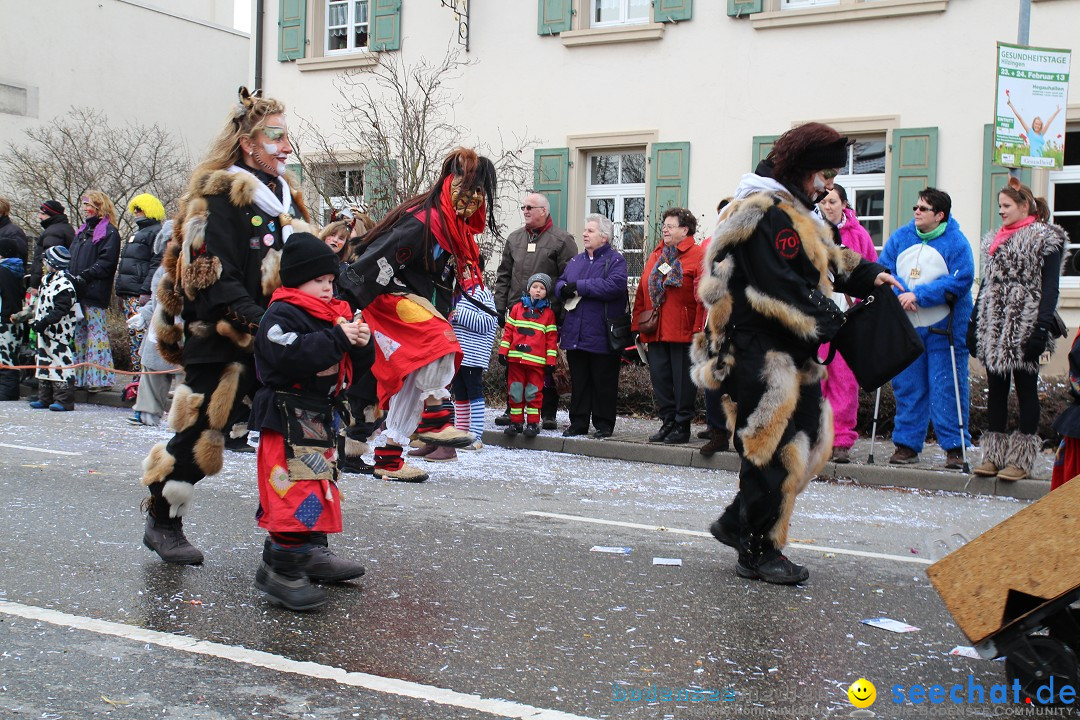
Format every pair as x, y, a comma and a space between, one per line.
593, 291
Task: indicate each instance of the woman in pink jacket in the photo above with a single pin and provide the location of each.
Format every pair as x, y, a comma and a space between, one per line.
840, 387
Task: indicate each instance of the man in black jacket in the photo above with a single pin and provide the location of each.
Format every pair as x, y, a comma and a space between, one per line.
9, 229
57, 231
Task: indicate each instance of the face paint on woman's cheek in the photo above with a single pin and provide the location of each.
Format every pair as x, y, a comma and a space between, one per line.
270, 148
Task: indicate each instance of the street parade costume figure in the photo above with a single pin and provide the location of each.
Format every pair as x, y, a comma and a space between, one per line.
772, 265
304, 355
404, 280
529, 345
221, 266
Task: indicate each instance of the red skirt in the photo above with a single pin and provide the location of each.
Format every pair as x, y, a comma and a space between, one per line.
297, 495
407, 335
1066, 462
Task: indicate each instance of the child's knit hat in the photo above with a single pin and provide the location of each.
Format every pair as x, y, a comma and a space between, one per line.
58, 257
306, 257
540, 278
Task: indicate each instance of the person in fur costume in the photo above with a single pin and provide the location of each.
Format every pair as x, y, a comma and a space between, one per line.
932, 259
404, 280
1014, 324
770, 269
11, 302
221, 266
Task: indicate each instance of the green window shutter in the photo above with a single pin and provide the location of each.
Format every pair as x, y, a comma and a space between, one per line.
739, 8
554, 16
292, 29
761, 149
914, 168
379, 185
296, 169
994, 178
669, 183
666, 11
551, 176
385, 25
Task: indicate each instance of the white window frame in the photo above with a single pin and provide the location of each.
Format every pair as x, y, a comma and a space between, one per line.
1069, 175
350, 26
340, 202
864, 182
620, 192
799, 4
624, 10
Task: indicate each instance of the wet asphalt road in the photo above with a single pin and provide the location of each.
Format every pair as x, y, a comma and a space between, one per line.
465, 591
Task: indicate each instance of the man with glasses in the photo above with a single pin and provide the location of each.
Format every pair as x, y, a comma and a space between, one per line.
933, 260
537, 247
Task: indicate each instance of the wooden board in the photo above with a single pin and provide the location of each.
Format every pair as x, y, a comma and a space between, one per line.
1015, 566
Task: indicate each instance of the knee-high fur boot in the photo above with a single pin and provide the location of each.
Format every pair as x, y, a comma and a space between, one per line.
995, 446
1020, 458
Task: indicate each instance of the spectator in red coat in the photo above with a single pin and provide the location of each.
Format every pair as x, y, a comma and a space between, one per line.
666, 316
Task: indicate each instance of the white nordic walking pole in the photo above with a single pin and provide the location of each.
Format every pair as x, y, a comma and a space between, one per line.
873, 427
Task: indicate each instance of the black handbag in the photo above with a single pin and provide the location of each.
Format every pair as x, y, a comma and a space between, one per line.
877, 341
618, 330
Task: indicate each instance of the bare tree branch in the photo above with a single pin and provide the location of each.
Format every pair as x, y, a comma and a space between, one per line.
79, 151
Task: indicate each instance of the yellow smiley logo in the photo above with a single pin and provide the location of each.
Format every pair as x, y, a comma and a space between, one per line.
862, 693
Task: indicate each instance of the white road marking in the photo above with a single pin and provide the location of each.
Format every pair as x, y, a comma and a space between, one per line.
257, 658
699, 533
37, 449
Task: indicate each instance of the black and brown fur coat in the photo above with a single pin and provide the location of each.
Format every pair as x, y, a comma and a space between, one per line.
221, 266
768, 274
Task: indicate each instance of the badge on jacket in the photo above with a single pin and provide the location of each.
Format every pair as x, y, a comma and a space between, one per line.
531, 247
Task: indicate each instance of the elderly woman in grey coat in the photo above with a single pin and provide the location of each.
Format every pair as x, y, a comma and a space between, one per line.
153, 393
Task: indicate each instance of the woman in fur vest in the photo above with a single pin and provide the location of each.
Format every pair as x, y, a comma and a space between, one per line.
220, 268
769, 271
1013, 324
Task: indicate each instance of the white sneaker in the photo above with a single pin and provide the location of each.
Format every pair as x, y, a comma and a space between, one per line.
475, 445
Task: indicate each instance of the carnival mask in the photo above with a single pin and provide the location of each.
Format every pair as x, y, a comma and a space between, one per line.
465, 203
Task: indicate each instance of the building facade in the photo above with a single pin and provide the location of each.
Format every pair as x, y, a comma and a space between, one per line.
173, 63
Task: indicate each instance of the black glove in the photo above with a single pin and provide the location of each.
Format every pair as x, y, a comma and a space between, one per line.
829, 316
503, 361
1035, 344
502, 318
970, 338
568, 290
80, 284
37, 326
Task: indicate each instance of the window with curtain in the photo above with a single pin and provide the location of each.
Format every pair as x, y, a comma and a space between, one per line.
615, 188
346, 26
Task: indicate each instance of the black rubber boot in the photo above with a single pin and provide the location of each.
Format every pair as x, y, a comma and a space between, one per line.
281, 577
9, 385
167, 539
324, 566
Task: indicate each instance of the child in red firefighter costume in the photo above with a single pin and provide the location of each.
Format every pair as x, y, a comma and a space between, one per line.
528, 346
404, 280
304, 355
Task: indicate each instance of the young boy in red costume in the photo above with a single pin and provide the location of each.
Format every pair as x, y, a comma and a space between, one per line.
304, 355
528, 345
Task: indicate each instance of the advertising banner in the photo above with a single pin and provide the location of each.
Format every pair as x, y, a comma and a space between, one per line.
1032, 92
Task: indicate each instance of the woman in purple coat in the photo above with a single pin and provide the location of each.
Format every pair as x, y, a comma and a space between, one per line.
593, 291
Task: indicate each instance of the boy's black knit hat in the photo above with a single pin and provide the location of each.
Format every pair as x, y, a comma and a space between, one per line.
306, 257
9, 248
